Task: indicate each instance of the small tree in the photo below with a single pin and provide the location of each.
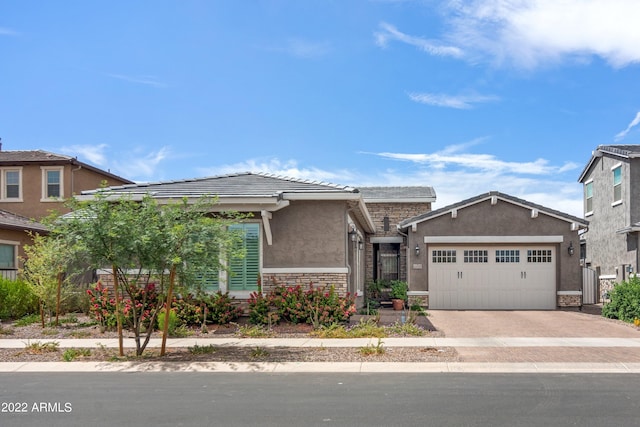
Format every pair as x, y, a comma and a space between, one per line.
145, 243
44, 272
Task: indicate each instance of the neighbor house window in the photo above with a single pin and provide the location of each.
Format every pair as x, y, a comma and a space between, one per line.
7, 256
617, 184
244, 272
588, 196
52, 183
11, 184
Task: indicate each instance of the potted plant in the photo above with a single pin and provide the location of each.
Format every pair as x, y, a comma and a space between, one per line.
398, 294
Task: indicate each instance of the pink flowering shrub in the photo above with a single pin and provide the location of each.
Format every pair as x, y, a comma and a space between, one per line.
316, 305
222, 309
102, 305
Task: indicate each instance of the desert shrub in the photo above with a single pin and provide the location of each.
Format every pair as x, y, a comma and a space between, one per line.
222, 309
188, 311
102, 306
16, 299
624, 301
317, 306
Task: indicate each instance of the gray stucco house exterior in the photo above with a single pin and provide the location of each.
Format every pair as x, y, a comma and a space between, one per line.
611, 183
494, 251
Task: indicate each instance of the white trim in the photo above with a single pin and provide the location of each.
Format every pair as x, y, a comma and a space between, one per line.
534, 213
576, 293
589, 181
494, 200
607, 276
300, 270
493, 239
454, 213
405, 200
417, 293
387, 240
616, 203
15, 245
588, 213
266, 216
616, 166
3, 182
43, 194
321, 196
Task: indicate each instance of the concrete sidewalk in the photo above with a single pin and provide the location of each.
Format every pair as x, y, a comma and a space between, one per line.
480, 355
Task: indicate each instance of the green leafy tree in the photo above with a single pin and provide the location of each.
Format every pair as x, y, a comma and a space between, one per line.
44, 272
145, 243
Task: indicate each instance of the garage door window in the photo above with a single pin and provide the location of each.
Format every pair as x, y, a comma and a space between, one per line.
475, 256
507, 255
539, 255
444, 256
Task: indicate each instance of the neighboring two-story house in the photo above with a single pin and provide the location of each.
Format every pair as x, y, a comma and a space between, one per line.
33, 184
611, 182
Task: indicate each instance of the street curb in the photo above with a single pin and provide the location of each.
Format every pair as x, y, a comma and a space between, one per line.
322, 367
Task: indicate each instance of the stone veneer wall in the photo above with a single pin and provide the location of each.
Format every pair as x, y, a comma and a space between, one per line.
606, 285
325, 280
569, 300
397, 212
421, 300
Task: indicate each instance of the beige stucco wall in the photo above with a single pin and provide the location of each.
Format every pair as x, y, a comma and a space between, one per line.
502, 219
19, 236
75, 180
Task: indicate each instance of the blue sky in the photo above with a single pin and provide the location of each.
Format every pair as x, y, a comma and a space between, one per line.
464, 96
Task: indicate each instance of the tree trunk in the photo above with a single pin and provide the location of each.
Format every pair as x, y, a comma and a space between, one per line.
114, 271
58, 298
167, 310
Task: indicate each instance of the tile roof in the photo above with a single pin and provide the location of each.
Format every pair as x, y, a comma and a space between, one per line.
398, 194
625, 151
245, 184
13, 221
482, 197
24, 157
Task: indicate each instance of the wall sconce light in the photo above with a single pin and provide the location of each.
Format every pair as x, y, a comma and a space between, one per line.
630, 269
353, 234
570, 248
360, 245
417, 249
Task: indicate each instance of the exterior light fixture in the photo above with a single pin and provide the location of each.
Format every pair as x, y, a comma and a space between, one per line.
570, 248
417, 249
361, 245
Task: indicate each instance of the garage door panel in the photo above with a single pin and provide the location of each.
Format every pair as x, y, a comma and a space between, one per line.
510, 277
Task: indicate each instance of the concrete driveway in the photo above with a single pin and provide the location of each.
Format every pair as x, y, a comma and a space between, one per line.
471, 324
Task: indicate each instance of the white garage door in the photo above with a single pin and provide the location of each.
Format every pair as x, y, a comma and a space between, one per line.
492, 278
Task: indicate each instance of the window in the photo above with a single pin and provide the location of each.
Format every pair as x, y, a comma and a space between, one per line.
617, 183
11, 184
476, 256
588, 195
507, 255
52, 179
538, 255
7, 256
244, 272
444, 256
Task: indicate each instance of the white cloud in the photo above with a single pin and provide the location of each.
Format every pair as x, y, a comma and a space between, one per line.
389, 32
302, 48
275, 166
144, 80
89, 153
631, 125
529, 33
463, 102
4, 31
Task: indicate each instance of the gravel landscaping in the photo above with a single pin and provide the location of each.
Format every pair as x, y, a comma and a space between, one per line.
34, 336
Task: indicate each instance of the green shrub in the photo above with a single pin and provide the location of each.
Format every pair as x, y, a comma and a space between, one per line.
624, 301
222, 309
399, 290
189, 311
71, 353
28, 320
16, 299
173, 321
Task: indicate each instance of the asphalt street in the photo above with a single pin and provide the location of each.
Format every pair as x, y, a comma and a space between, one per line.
345, 399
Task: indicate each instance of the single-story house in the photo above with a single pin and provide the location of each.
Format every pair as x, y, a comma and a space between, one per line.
495, 251
491, 251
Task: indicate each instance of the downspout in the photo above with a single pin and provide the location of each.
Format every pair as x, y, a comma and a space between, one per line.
72, 179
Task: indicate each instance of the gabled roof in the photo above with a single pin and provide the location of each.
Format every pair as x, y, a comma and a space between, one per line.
621, 151
247, 184
416, 194
248, 191
493, 196
12, 221
26, 157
